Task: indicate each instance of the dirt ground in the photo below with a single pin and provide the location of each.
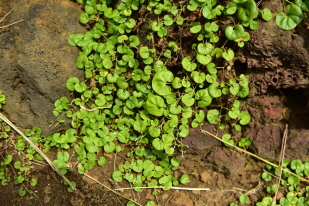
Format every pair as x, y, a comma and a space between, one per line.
279, 96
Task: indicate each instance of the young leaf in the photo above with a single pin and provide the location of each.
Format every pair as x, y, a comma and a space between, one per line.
204, 97
22, 192
227, 138
200, 116
244, 118
234, 89
244, 198
158, 144
248, 11
245, 142
153, 131
229, 55
233, 113
184, 179
266, 14
117, 176
196, 27
176, 83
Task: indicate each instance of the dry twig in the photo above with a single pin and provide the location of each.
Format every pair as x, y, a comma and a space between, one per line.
36, 149
253, 155
2, 27
281, 158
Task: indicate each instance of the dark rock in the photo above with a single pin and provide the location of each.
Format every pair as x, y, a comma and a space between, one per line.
227, 161
36, 59
198, 142
278, 58
266, 140
297, 145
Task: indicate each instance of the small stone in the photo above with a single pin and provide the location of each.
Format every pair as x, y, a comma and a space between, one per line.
47, 199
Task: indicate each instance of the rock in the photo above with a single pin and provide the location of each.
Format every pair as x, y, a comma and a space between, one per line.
277, 58
227, 161
36, 60
266, 140
198, 142
297, 145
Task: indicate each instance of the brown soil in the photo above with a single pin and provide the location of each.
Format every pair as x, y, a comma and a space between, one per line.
278, 68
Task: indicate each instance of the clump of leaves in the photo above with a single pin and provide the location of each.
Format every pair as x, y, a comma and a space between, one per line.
294, 14
131, 96
20, 168
294, 192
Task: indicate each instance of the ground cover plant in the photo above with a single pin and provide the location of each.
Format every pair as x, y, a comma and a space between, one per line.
149, 93
143, 89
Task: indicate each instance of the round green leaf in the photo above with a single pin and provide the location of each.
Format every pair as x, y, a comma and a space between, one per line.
243, 92
158, 144
290, 21
244, 118
212, 116
83, 18
117, 176
134, 41
187, 100
196, 27
204, 49
159, 82
144, 52
33, 182
80, 87
71, 82
244, 198
155, 105
203, 96
121, 82
198, 77
176, 83
229, 55
266, 14
22, 192
234, 89
214, 91
187, 65
234, 112
248, 11
234, 33
109, 147
203, 59
184, 179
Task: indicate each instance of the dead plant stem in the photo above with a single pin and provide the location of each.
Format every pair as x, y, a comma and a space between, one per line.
253, 155
36, 149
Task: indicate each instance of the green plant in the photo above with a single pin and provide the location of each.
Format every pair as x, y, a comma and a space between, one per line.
19, 168
2, 99
134, 97
295, 14
293, 192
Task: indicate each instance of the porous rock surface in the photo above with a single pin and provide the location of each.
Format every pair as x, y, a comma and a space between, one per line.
36, 59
